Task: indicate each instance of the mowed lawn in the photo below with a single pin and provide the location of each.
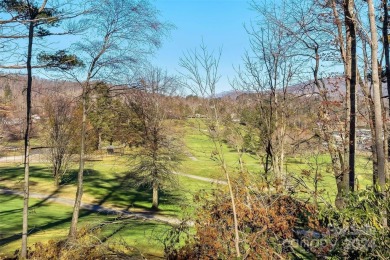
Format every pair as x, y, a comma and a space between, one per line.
51, 221
201, 160
104, 185
296, 165
203, 164
108, 183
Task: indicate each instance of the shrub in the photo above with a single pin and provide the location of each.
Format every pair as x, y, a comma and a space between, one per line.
265, 222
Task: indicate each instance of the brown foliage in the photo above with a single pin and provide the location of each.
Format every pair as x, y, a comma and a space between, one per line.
265, 222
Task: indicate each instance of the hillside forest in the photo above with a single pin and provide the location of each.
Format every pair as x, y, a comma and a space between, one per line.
104, 154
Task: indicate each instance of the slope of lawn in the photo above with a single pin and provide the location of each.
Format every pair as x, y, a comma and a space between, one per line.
201, 160
322, 164
108, 183
202, 163
51, 221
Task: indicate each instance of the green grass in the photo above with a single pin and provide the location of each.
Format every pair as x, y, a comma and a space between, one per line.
107, 183
203, 163
51, 221
200, 146
295, 166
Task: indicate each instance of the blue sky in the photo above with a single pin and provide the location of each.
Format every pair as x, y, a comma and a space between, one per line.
218, 22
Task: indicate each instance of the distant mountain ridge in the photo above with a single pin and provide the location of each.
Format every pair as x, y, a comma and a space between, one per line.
334, 85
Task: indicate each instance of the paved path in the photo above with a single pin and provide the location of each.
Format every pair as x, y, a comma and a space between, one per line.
202, 178
146, 215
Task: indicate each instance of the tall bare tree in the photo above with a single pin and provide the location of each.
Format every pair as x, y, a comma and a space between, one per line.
121, 34
318, 30
202, 75
385, 34
270, 68
351, 83
376, 85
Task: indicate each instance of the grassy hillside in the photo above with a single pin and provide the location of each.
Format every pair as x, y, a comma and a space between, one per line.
109, 184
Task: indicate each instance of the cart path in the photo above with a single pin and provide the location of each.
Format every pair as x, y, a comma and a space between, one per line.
200, 178
145, 215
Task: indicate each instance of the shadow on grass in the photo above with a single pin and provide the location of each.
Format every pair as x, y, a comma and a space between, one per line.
14, 237
13, 173
120, 189
123, 191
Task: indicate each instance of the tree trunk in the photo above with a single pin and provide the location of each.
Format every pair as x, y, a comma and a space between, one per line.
57, 180
155, 196
371, 121
235, 219
342, 178
386, 46
27, 143
99, 146
387, 59
336, 155
377, 98
277, 139
79, 193
385, 135
379, 138
351, 77
56, 172
348, 96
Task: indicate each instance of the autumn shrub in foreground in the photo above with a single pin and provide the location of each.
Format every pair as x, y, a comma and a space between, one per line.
282, 227
265, 222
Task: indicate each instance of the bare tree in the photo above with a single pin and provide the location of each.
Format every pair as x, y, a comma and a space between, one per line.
351, 83
379, 137
329, 113
318, 28
201, 71
385, 34
121, 34
59, 133
270, 68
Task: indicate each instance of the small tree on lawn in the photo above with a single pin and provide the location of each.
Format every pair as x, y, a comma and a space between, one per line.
59, 134
160, 153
